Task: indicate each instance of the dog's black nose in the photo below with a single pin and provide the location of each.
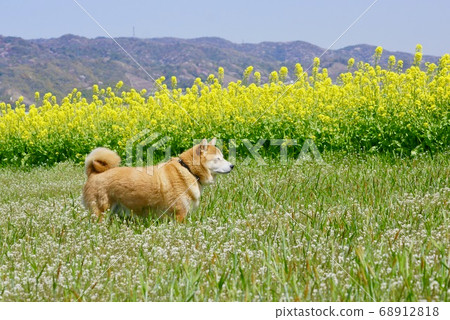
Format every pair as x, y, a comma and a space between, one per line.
231, 166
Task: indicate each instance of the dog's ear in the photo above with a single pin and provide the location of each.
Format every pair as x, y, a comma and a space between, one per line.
203, 146
213, 142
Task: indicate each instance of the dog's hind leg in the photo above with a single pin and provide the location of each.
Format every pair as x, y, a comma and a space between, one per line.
92, 207
97, 207
102, 204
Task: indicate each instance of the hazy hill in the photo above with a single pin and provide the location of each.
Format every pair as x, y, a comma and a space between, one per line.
58, 65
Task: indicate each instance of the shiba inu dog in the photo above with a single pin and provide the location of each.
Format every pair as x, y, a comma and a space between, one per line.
173, 187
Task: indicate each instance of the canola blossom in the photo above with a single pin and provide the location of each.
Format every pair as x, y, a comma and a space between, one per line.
367, 109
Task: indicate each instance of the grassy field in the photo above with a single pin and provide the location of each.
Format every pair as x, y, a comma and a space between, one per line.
360, 228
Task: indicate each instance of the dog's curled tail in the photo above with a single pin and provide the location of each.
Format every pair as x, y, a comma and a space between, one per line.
100, 160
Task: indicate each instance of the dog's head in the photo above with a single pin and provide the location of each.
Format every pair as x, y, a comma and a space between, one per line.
211, 160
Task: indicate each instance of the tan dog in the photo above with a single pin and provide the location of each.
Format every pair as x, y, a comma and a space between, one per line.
172, 187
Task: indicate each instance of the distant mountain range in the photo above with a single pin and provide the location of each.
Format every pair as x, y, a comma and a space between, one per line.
61, 64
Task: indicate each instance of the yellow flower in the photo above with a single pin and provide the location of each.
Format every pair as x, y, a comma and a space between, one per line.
315, 103
119, 85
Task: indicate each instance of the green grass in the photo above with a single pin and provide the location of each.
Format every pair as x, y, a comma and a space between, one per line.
360, 228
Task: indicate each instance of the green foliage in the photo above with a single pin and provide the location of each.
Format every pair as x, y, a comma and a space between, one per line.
360, 228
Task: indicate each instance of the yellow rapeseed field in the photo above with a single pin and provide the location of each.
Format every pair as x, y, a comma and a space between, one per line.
367, 108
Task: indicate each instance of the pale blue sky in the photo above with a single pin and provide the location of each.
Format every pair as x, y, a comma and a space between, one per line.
396, 25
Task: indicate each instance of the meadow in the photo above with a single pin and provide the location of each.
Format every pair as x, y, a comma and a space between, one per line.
358, 228
368, 223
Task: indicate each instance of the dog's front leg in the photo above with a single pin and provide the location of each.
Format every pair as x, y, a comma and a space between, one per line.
180, 211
